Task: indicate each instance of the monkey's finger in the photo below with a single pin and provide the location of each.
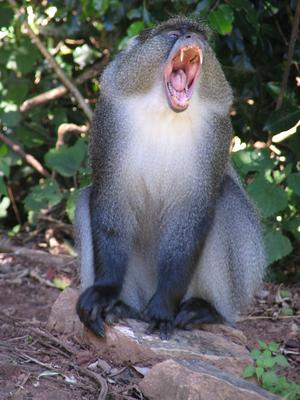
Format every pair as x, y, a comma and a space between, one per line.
111, 318
183, 318
166, 330
86, 303
97, 326
151, 327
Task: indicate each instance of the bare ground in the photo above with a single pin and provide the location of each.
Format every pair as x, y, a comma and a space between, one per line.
36, 365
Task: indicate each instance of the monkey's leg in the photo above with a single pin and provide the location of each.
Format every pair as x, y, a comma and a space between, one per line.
180, 241
110, 257
231, 263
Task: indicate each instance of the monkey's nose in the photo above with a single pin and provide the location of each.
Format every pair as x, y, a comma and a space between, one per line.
188, 36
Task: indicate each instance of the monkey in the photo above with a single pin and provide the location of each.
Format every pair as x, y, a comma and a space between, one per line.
165, 232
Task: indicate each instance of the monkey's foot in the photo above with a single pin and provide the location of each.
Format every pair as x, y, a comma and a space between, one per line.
160, 318
93, 305
119, 311
196, 311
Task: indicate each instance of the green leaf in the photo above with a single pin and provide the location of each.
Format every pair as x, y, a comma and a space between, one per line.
277, 246
29, 137
45, 195
259, 371
273, 346
281, 360
3, 189
266, 353
294, 227
6, 16
269, 379
286, 294
269, 197
4, 167
255, 354
4, 204
135, 28
251, 160
248, 371
293, 181
26, 56
17, 90
286, 311
66, 160
10, 118
101, 6
134, 13
71, 203
262, 345
282, 120
269, 362
61, 282
221, 19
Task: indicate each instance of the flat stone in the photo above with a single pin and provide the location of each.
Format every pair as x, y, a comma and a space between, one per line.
127, 342
171, 380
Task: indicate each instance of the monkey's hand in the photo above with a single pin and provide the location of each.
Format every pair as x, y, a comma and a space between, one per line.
160, 315
93, 305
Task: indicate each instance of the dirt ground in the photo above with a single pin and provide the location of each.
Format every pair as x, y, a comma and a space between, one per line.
36, 365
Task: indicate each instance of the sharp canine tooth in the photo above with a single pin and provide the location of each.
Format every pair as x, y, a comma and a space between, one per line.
201, 57
181, 55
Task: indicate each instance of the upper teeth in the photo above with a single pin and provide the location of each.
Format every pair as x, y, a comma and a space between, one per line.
181, 55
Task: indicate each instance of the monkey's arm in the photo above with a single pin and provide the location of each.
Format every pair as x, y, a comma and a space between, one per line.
182, 235
110, 264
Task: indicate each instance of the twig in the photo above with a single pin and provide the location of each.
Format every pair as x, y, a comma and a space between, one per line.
60, 73
27, 157
53, 339
61, 90
35, 361
14, 204
36, 256
286, 72
65, 128
97, 378
62, 225
21, 385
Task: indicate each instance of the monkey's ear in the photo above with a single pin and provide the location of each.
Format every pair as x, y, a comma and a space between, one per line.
145, 34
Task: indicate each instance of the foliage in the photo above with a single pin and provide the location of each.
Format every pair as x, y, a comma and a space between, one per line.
266, 359
251, 40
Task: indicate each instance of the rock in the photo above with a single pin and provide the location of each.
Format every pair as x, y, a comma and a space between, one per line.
170, 380
63, 318
127, 342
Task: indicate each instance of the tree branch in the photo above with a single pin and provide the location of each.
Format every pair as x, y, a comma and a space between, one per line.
60, 73
27, 157
59, 91
286, 72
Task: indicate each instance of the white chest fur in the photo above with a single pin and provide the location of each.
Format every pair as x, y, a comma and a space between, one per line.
161, 156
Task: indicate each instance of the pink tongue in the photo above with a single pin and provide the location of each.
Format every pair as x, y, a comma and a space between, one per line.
178, 80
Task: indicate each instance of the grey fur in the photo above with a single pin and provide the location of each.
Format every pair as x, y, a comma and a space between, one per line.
231, 263
83, 238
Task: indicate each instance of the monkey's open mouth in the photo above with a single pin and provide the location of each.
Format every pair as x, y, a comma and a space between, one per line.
180, 76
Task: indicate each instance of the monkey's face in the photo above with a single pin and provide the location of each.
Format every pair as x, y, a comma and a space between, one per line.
182, 69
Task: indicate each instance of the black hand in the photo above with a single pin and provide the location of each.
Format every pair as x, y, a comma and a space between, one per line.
93, 304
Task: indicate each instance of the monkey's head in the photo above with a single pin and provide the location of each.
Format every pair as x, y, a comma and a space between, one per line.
174, 57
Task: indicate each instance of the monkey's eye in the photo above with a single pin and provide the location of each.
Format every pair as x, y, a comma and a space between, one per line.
174, 34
